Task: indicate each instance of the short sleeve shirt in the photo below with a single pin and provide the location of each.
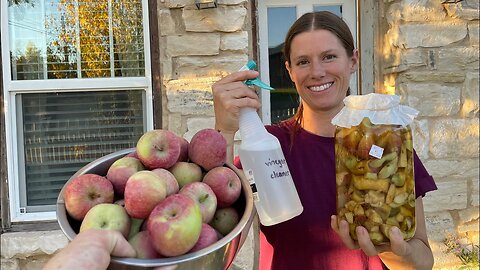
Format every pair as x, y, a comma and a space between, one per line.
307, 241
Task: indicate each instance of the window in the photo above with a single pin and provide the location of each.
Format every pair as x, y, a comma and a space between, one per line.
275, 18
77, 87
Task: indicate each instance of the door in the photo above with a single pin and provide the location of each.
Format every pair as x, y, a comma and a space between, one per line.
274, 19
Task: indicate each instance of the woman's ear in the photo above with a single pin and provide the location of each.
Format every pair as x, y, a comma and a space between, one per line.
287, 66
355, 61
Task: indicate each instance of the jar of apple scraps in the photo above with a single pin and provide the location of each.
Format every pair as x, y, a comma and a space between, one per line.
374, 165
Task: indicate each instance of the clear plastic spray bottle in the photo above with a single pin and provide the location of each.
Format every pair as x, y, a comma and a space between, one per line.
274, 193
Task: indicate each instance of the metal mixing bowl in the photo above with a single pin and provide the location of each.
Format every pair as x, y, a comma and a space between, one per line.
217, 256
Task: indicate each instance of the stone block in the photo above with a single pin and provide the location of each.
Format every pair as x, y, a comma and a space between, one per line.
444, 168
190, 96
26, 244
450, 195
37, 262
443, 260
194, 124
175, 123
473, 32
222, 18
166, 22
9, 264
475, 192
469, 214
177, 3
237, 41
421, 138
435, 76
231, 2
439, 225
193, 44
466, 10
415, 11
454, 138
194, 66
470, 95
430, 34
468, 227
458, 58
412, 58
432, 99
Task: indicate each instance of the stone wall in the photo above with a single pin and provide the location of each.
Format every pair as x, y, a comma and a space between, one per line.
429, 56
431, 59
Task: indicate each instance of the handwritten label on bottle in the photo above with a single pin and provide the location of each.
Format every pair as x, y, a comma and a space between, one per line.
280, 163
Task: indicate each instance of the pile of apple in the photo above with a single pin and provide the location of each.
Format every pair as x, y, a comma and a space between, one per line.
169, 197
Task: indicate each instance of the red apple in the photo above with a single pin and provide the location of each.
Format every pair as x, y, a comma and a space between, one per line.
158, 149
108, 216
132, 154
208, 236
183, 149
85, 191
170, 180
143, 246
225, 183
225, 220
186, 172
208, 149
143, 191
204, 196
174, 225
119, 172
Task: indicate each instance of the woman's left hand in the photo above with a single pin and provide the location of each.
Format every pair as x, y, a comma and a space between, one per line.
398, 245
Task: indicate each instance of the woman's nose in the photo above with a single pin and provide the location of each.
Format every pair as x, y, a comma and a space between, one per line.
318, 70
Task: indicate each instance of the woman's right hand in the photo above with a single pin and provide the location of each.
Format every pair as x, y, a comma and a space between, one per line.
229, 95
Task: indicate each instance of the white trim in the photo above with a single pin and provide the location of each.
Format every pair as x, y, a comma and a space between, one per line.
12, 88
75, 84
349, 13
148, 67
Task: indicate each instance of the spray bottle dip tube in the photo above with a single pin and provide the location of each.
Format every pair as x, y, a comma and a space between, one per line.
275, 196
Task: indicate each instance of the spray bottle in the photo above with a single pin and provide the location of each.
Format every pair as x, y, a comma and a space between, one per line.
274, 193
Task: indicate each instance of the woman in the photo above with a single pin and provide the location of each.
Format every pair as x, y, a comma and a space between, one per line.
320, 58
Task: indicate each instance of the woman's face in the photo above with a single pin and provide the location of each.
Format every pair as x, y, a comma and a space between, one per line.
321, 70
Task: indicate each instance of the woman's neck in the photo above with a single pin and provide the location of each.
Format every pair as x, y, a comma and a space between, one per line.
319, 122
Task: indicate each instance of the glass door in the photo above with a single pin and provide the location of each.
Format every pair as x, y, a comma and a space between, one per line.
275, 18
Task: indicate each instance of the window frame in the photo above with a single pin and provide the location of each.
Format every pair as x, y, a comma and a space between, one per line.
12, 88
301, 8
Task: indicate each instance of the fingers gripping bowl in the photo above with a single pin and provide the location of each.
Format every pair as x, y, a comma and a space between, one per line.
219, 255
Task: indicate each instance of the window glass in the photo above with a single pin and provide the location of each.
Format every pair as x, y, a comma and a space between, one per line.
335, 9
56, 39
284, 99
62, 132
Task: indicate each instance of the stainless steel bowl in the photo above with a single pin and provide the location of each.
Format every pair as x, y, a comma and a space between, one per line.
217, 256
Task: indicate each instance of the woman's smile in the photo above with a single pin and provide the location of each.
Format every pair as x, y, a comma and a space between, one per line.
321, 87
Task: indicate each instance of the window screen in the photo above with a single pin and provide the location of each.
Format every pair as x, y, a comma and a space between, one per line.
62, 132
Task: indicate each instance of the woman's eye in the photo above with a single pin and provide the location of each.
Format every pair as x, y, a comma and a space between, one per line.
329, 57
302, 62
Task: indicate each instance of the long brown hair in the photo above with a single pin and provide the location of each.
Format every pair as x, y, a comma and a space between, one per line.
310, 22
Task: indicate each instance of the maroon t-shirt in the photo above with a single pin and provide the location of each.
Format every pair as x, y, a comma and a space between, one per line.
307, 241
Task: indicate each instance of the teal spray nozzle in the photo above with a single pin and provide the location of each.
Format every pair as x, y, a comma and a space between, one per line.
250, 65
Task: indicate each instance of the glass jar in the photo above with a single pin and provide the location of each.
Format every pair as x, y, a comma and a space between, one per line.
374, 167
